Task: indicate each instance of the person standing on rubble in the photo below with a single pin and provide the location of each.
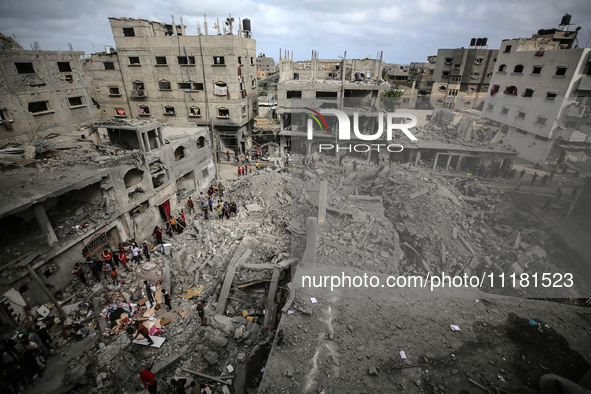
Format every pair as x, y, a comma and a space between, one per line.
123, 259
158, 234
201, 313
146, 250
108, 256
106, 269
78, 271
114, 277
148, 380
149, 293
166, 299
533, 177
191, 205
210, 203
205, 212
168, 228
221, 189
93, 268
544, 179
521, 174
135, 251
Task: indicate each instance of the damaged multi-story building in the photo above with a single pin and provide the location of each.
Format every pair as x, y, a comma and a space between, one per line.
159, 71
42, 92
462, 76
265, 66
348, 85
540, 94
72, 185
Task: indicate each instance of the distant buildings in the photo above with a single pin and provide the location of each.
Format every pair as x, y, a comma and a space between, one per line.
265, 66
461, 76
540, 92
158, 71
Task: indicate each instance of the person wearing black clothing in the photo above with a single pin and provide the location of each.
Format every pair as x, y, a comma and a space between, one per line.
44, 335
149, 294
178, 386
166, 299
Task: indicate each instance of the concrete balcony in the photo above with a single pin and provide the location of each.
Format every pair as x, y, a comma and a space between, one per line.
585, 83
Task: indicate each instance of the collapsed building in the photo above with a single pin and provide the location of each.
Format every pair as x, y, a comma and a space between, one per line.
93, 194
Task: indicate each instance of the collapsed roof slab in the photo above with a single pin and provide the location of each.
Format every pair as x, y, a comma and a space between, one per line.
26, 187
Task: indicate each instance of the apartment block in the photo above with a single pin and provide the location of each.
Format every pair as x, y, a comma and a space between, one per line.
42, 92
158, 71
540, 92
461, 77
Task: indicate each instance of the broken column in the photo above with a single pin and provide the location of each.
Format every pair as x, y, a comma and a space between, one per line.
322, 200
44, 223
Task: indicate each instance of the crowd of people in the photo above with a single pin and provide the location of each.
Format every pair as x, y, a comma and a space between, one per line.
28, 354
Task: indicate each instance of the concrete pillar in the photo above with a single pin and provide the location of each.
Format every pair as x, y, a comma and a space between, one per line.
44, 224
159, 141
417, 158
46, 291
141, 140
448, 161
146, 142
121, 230
459, 165
436, 160
322, 201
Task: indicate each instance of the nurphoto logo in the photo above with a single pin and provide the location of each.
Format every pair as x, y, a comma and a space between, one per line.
344, 130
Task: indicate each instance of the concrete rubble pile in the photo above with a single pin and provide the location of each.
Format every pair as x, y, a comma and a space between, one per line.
402, 220
231, 350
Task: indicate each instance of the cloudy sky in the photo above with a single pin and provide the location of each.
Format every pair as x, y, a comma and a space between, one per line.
406, 30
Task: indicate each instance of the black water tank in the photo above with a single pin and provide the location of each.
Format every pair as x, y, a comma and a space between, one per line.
484, 41
472, 42
359, 76
565, 19
246, 24
479, 42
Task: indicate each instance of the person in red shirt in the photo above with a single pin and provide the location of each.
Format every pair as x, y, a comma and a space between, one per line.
239, 171
158, 234
148, 380
78, 271
123, 259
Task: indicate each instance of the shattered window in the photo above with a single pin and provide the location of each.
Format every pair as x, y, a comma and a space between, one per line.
223, 113
120, 112
161, 61
194, 111
64, 66
25, 68
75, 101
164, 85
134, 61
169, 110
38, 107
109, 65
144, 110
128, 32
218, 60
114, 91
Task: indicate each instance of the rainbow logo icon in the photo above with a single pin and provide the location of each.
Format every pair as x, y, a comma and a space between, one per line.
315, 116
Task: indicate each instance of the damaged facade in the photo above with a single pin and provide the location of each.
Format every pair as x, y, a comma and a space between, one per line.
43, 92
159, 71
539, 93
93, 195
462, 76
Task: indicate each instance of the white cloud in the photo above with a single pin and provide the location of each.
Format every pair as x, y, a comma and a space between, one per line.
407, 30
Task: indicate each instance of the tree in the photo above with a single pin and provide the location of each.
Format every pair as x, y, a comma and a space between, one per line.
391, 99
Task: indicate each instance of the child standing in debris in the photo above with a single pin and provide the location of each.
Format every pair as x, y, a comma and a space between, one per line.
114, 277
146, 250
220, 212
205, 213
